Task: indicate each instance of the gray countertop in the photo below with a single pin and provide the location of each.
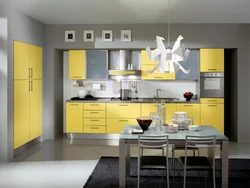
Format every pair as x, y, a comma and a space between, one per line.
108, 100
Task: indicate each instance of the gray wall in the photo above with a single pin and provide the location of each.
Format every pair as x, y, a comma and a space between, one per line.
143, 35
25, 29
3, 83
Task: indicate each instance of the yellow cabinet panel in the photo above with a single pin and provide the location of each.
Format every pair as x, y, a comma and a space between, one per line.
115, 126
94, 129
36, 59
89, 114
123, 110
21, 61
74, 118
152, 107
212, 111
145, 58
212, 100
35, 109
218, 124
192, 110
94, 121
95, 106
155, 75
21, 112
77, 64
212, 60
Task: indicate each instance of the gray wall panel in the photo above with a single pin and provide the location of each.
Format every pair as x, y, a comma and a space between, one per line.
143, 35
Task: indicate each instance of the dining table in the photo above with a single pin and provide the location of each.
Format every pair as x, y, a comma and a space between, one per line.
127, 137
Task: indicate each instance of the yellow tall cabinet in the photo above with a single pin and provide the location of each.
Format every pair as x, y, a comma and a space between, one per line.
77, 64
27, 93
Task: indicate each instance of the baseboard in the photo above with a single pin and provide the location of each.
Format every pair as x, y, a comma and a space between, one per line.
26, 146
93, 136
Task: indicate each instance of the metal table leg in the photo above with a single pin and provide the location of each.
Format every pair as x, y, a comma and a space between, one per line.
122, 164
127, 160
224, 163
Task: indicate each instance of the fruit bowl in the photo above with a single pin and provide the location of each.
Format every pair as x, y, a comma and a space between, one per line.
188, 96
144, 122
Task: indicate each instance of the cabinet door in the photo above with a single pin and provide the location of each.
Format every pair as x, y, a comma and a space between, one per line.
193, 110
97, 64
123, 110
35, 109
145, 60
21, 61
94, 129
115, 126
152, 107
212, 60
21, 112
77, 64
95, 106
74, 118
36, 61
155, 75
191, 64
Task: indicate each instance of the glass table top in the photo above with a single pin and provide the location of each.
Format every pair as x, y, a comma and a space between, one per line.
180, 135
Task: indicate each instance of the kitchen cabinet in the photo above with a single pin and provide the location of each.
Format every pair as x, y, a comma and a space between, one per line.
147, 64
193, 110
212, 113
115, 126
74, 117
211, 60
191, 64
152, 107
27, 93
97, 64
77, 64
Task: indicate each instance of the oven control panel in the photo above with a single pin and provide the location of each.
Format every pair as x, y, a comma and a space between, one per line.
212, 74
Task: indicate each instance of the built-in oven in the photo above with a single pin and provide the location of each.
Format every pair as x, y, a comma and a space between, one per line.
212, 84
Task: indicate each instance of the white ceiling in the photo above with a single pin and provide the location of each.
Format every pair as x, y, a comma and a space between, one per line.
134, 11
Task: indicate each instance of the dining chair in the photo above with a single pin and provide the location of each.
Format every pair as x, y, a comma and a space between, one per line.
153, 162
200, 163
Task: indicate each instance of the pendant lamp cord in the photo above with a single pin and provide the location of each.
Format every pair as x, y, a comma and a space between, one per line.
168, 23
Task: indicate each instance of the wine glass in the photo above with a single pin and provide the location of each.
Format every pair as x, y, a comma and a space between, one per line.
152, 116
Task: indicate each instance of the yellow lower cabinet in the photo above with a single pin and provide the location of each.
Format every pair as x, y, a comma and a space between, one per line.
155, 75
74, 117
90, 114
95, 106
94, 129
218, 124
115, 126
193, 110
123, 110
94, 121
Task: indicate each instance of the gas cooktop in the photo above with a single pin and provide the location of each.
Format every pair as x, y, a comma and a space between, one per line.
124, 99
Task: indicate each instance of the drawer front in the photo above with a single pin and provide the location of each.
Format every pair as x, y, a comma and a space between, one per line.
123, 110
94, 129
95, 106
193, 110
211, 100
94, 121
152, 107
89, 114
212, 111
115, 126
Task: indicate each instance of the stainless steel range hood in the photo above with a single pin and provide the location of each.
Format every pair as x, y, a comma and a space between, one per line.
124, 65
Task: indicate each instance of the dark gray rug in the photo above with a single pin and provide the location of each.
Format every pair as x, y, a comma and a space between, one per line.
106, 175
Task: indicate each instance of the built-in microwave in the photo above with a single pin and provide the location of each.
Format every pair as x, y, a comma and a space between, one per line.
212, 84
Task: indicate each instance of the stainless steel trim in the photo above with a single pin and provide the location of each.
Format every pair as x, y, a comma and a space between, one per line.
124, 72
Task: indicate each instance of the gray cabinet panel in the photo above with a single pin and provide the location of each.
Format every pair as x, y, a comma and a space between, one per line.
192, 64
96, 64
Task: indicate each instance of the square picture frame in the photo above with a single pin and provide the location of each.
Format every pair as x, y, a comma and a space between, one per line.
70, 36
126, 35
88, 36
107, 35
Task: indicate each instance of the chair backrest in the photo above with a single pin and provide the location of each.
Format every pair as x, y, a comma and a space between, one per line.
208, 142
153, 142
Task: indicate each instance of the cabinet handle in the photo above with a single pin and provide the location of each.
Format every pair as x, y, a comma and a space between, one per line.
74, 104
123, 120
94, 105
31, 72
31, 85
212, 100
94, 120
94, 127
188, 105
212, 105
211, 69
94, 112
123, 105
77, 77
158, 77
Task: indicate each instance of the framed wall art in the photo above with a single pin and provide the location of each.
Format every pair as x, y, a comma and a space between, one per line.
69, 36
88, 36
107, 35
126, 35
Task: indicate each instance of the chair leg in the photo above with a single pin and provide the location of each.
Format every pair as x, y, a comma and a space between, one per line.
205, 179
184, 184
173, 162
138, 184
214, 178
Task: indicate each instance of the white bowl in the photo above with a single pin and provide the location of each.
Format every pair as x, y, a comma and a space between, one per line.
193, 128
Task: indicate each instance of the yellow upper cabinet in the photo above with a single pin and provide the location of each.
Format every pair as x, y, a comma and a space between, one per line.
147, 64
123, 110
36, 58
74, 117
77, 64
21, 60
212, 60
193, 110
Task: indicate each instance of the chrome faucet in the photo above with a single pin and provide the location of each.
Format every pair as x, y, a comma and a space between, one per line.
157, 94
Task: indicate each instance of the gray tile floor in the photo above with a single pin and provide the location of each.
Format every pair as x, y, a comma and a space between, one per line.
68, 163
